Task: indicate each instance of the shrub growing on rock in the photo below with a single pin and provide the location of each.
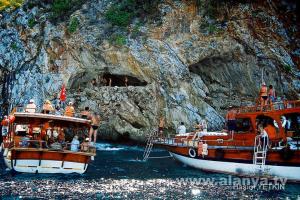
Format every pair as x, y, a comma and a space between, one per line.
118, 40
11, 4
31, 22
73, 25
122, 13
61, 9
14, 46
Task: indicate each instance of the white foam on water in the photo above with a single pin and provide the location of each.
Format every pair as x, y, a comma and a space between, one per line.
135, 160
113, 147
107, 147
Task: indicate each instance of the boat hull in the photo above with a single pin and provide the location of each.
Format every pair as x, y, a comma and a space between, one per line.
32, 165
292, 173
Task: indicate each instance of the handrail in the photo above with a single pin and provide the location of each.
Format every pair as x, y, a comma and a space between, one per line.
41, 144
269, 107
263, 144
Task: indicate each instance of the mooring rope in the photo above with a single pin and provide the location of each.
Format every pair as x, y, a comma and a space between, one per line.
160, 157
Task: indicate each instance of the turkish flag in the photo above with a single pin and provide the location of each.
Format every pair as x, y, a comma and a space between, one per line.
63, 95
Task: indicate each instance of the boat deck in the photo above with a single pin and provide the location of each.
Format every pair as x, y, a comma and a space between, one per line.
277, 106
53, 150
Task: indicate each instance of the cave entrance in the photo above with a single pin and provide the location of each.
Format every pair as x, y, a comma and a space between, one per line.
120, 80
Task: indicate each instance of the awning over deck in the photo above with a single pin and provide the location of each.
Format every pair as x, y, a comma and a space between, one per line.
53, 120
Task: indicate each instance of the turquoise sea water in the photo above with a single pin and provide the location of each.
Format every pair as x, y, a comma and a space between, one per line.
118, 173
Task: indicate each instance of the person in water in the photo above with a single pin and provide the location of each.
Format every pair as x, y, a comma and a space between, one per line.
70, 110
231, 120
263, 93
47, 107
95, 125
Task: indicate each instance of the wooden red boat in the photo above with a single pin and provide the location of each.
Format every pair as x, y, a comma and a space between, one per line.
246, 153
31, 152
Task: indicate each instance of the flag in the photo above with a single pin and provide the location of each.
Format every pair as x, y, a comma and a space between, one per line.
63, 95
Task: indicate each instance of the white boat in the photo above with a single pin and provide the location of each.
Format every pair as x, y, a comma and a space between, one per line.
31, 151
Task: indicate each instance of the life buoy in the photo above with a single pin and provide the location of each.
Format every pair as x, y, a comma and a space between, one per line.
286, 153
283, 122
192, 152
219, 154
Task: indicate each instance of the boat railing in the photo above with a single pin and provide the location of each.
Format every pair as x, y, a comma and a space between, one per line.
56, 146
40, 110
193, 142
270, 107
177, 142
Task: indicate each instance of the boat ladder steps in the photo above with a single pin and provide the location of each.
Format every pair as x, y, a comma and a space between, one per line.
260, 152
149, 145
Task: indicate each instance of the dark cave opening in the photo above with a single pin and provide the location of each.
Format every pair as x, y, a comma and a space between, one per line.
82, 80
118, 80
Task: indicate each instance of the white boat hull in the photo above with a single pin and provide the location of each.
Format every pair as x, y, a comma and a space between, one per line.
241, 169
43, 166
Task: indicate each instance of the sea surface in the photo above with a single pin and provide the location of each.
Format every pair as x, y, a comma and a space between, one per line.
118, 173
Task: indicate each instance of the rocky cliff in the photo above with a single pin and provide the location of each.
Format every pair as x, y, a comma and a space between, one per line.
187, 61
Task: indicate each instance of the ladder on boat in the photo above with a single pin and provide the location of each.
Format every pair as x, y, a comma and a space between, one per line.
148, 148
260, 151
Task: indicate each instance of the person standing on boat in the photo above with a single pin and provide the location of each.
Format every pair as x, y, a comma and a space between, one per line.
47, 107
203, 125
95, 125
63, 96
271, 130
61, 136
5, 124
70, 110
57, 110
263, 93
271, 96
231, 120
75, 144
55, 100
30, 107
181, 129
161, 125
264, 137
85, 145
86, 113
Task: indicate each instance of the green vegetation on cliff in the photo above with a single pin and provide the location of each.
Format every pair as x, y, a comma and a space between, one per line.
122, 13
73, 25
61, 9
31, 22
12, 4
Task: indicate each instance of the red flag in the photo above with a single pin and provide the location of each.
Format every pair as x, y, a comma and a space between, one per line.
63, 95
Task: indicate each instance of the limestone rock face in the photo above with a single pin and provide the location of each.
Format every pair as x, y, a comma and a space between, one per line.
186, 67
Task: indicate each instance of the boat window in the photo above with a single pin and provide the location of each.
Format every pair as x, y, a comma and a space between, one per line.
243, 125
265, 121
291, 124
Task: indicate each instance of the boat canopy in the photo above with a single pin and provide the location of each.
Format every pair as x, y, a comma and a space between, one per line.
53, 120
